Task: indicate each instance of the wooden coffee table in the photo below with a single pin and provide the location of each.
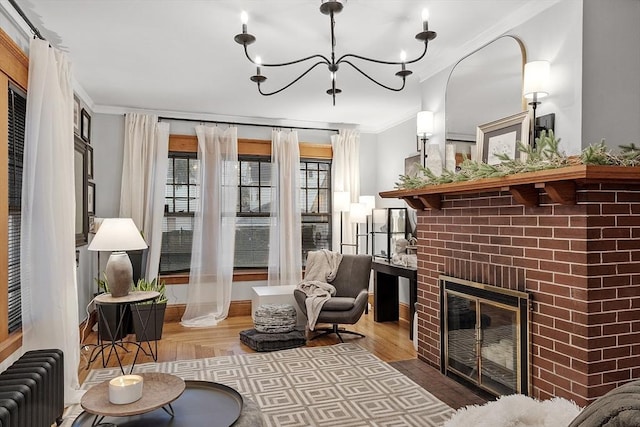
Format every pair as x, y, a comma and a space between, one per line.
158, 391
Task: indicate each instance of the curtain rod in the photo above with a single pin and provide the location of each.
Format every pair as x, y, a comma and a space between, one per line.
35, 30
246, 124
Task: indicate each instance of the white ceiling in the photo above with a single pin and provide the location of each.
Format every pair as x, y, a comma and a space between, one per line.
179, 56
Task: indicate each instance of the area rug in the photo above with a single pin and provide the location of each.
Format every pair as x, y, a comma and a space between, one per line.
340, 385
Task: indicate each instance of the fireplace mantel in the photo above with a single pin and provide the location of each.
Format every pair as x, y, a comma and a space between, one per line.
559, 184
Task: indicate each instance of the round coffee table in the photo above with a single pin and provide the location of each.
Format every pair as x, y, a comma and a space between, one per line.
158, 391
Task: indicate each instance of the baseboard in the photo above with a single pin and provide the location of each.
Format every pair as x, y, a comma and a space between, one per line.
174, 312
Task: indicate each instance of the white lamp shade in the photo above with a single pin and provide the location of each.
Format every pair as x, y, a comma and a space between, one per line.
358, 213
536, 79
424, 123
341, 200
117, 234
369, 202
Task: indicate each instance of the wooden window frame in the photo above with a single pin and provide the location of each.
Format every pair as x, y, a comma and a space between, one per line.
14, 68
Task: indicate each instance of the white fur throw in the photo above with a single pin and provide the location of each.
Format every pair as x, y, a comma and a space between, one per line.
516, 411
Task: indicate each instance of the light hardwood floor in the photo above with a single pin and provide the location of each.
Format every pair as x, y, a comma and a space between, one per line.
389, 341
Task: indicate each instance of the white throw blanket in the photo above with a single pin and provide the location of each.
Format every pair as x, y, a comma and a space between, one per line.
322, 267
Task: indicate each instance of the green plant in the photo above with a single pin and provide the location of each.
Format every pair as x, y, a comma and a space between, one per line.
545, 154
154, 285
103, 284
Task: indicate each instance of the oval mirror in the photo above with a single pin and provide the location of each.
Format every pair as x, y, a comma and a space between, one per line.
483, 86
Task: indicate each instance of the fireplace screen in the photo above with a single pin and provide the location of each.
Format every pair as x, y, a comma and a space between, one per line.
485, 335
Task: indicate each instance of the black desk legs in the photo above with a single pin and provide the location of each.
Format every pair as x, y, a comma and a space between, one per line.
386, 301
385, 297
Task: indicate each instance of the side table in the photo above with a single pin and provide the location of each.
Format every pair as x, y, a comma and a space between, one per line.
158, 391
130, 300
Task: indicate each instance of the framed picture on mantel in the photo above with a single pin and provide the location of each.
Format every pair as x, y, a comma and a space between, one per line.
501, 137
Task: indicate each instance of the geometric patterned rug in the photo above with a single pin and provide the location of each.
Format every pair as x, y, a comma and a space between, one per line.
339, 385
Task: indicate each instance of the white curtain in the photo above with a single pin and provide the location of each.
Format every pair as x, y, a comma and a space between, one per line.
345, 170
48, 273
209, 291
144, 176
285, 232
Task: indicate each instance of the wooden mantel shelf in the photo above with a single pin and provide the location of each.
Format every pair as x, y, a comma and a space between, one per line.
559, 184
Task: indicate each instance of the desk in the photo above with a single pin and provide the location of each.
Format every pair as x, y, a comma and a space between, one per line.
116, 334
385, 288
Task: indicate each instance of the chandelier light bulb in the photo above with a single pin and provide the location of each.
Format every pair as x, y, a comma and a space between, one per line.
425, 20
333, 76
403, 56
244, 18
258, 61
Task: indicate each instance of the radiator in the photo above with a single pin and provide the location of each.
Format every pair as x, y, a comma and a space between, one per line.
32, 390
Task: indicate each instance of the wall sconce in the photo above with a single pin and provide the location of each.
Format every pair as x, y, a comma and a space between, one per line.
424, 129
535, 87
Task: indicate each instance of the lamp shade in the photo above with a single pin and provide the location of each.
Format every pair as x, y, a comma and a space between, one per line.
424, 123
536, 79
117, 234
369, 202
357, 213
341, 200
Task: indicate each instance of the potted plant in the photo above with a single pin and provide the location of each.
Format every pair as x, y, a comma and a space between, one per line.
153, 331
112, 314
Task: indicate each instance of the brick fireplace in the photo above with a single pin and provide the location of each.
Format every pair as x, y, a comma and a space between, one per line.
571, 242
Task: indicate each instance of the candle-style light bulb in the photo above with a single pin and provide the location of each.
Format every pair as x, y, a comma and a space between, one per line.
333, 76
258, 62
425, 19
244, 18
403, 56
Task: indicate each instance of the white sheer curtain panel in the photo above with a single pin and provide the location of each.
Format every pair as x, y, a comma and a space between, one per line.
345, 170
48, 271
285, 231
144, 176
209, 291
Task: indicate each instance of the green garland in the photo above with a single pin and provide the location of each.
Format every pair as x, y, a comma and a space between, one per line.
545, 155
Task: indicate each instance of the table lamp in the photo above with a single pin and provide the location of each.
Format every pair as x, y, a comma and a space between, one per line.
118, 235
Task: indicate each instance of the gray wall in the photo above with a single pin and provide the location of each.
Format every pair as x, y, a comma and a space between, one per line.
611, 72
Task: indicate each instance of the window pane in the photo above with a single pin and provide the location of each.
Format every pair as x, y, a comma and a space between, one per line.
315, 235
265, 199
323, 178
181, 171
312, 179
303, 177
177, 234
323, 201
194, 165
265, 173
249, 172
181, 205
168, 205
181, 190
252, 242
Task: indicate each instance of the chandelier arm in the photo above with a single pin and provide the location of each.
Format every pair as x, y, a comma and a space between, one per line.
375, 81
297, 61
290, 84
378, 61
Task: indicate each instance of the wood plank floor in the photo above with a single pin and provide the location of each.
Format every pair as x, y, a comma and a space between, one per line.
389, 341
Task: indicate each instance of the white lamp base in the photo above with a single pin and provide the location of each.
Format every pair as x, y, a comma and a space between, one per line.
119, 272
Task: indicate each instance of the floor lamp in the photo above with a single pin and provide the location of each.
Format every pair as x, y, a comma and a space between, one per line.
341, 201
369, 203
357, 216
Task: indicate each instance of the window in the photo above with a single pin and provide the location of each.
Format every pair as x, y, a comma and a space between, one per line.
181, 198
253, 210
16, 125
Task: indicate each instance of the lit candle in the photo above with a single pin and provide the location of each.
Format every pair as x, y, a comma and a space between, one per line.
258, 63
425, 20
403, 58
244, 17
125, 389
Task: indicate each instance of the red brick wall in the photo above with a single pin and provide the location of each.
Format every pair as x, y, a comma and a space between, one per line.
580, 264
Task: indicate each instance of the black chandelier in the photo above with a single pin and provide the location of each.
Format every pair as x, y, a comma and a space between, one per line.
331, 7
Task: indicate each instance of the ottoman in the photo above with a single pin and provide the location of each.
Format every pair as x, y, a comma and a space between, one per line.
260, 341
275, 318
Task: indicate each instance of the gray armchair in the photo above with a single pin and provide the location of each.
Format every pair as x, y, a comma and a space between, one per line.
350, 300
